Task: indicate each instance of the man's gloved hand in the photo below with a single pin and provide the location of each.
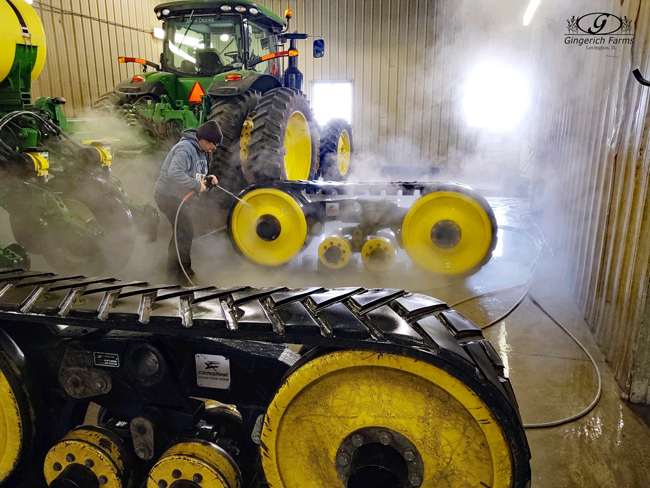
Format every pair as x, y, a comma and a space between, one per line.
210, 181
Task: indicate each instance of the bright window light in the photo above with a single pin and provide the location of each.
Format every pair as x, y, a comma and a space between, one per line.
158, 33
181, 39
181, 53
495, 98
530, 11
29, 1
224, 37
332, 100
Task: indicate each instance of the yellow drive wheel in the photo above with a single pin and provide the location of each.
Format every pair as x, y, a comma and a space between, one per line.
337, 414
87, 456
344, 153
334, 252
16, 418
195, 463
269, 228
448, 232
378, 254
297, 144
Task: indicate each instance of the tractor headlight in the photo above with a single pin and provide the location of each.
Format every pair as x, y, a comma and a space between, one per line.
165, 12
253, 11
240, 8
226, 8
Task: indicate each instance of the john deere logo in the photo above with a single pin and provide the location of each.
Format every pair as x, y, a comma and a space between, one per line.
599, 31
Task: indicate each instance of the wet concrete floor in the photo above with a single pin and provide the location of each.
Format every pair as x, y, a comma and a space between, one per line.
552, 378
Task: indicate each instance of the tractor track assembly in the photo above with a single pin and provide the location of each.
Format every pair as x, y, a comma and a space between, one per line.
197, 386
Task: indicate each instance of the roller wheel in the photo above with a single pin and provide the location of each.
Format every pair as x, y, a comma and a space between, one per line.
16, 419
335, 150
381, 419
450, 231
284, 139
270, 228
98, 203
235, 117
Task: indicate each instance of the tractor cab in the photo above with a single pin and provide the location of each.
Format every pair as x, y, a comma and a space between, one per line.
209, 38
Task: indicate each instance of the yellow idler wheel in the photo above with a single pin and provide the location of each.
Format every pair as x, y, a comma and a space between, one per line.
269, 228
378, 254
334, 252
195, 463
343, 152
297, 144
16, 418
337, 413
447, 232
87, 456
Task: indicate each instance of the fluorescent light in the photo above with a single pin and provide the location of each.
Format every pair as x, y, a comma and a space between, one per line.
332, 100
496, 97
530, 11
29, 1
224, 37
158, 33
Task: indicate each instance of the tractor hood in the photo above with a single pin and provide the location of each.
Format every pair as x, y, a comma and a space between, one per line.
247, 9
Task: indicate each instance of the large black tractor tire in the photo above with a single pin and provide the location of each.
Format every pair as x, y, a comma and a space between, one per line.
108, 101
335, 150
231, 113
284, 140
95, 199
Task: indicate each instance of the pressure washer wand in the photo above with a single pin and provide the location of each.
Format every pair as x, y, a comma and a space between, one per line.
209, 185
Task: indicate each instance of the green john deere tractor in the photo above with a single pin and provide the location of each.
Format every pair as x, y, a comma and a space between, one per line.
60, 196
225, 60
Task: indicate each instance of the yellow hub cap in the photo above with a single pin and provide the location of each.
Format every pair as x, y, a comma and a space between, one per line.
270, 228
334, 252
343, 152
447, 232
297, 144
332, 396
199, 462
11, 423
378, 254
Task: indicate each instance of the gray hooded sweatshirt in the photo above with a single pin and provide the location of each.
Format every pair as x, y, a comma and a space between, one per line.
184, 167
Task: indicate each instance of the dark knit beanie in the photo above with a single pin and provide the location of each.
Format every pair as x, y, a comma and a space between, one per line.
210, 131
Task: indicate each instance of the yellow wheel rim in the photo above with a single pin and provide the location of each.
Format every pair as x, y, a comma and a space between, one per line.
268, 208
11, 426
245, 136
343, 152
297, 144
334, 252
465, 223
323, 402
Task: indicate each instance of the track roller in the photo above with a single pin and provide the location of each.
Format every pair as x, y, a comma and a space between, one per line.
88, 457
16, 414
195, 464
451, 231
362, 418
379, 252
334, 252
268, 227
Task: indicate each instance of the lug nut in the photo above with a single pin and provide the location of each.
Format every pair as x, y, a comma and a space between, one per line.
415, 479
385, 438
162, 484
176, 474
57, 467
409, 455
197, 478
70, 458
103, 480
342, 459
89, 463
357, 440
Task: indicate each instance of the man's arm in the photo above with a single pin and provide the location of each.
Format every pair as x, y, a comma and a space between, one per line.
178, 167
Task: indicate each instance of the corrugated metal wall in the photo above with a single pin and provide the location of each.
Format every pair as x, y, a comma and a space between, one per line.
85, 38
590, 141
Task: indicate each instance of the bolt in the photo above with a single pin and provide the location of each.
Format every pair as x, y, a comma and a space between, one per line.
409, 455
70, 458
385, 438
162, 484
342, 459
176, 474
415, 479
57, 467
197, 478
89, 463
357, 440
141, 452
103, 480
100, 384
